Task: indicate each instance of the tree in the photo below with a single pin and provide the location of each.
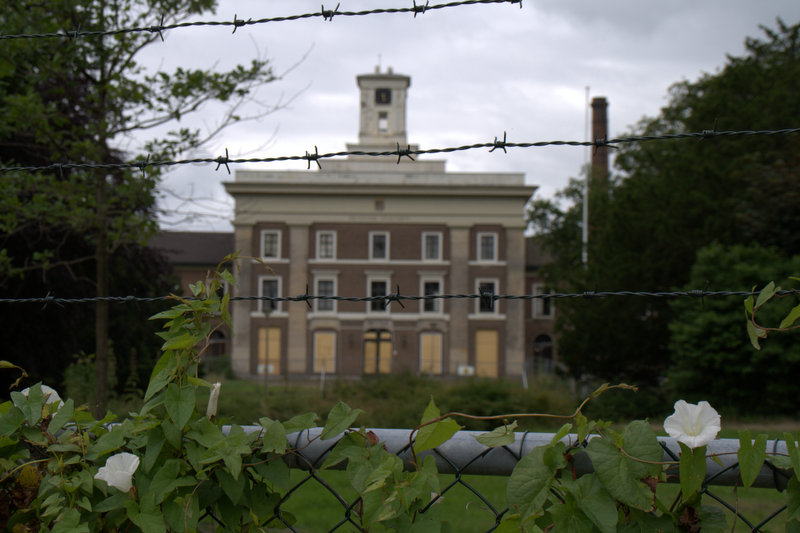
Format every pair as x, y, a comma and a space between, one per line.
711, 356
73, 100
669, 199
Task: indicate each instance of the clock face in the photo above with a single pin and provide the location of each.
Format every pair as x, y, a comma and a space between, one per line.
383, 96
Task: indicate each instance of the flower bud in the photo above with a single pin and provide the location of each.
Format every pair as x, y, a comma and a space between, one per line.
211, 411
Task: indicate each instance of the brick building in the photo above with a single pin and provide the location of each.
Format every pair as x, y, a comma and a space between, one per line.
366, 225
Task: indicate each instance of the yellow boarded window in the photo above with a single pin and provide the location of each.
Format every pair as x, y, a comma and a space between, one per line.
269, 350
486, 341
430, 353
377, 352
324, 352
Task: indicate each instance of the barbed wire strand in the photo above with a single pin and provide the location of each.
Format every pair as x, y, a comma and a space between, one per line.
399, 152
236, 23
397, 297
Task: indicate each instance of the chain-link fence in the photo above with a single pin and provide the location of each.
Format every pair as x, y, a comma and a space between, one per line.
472, 497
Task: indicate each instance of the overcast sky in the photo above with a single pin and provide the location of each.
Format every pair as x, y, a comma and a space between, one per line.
476, 71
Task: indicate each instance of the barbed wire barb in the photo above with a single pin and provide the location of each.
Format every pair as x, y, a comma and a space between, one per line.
400, 153
223, 161
328, 14
420, 9
499, 144
313, 157
157, 29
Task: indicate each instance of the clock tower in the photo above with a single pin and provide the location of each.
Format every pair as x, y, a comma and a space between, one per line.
382, 117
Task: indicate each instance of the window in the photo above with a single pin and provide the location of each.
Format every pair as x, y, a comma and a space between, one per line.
485, 286
378, 287
269, 287
217, 345
430, 353
487, 247
383, 122
377, 351
378, 245
271, 244
269, 350
324, 352
429, 288
431, 246
542, 307
326, 244
326, 287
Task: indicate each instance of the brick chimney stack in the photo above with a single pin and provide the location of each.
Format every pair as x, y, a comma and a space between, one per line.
600, 131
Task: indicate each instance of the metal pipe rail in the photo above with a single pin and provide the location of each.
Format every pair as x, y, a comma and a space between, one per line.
462, 454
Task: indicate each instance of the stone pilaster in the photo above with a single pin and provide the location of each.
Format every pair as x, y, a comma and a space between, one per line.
297, 350
458, 283
240, 310
515, 309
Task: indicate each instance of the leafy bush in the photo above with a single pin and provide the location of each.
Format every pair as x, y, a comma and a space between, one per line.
79, 377
711, 356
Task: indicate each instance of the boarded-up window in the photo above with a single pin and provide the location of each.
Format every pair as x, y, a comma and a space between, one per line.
430, 353
486, 341
325, 352
377, 352
269, 350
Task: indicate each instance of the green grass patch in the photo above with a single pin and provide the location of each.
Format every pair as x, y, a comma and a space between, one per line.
317, 508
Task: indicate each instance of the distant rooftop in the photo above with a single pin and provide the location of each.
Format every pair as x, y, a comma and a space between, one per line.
193, 248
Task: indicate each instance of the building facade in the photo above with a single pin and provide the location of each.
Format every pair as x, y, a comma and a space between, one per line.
373, 226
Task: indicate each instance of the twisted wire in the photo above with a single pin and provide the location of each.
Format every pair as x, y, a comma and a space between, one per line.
236, 23
399, 152
698, 293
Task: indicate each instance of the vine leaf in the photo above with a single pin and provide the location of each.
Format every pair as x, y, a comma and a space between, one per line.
502, 436
179, 402
621, 475
594, 501
751, 456
529, 484
766, 294
791, 318
434, 434
340, 417
692, 469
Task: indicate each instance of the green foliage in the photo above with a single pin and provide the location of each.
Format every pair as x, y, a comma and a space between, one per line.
74, 101
668, 200
707, 338
80, 375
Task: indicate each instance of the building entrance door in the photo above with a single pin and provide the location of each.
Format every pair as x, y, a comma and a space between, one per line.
377, 351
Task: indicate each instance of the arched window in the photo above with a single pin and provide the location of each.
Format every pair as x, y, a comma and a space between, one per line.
216, 347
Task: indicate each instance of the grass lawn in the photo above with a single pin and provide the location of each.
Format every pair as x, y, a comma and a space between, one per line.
317, 508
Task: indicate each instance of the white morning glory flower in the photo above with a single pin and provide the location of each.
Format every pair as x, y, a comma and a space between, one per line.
50, 395
118, 472
211, 410
693, 425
